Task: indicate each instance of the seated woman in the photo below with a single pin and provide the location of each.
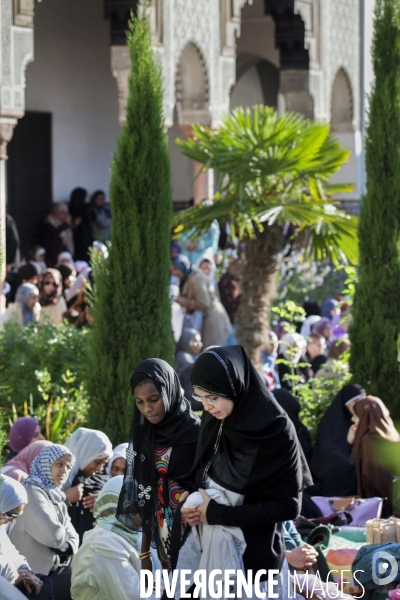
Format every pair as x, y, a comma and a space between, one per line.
299, 555
302, 557
51, 298
372, 426
248, 451
116, 464
161, 451
92, 450
26, 308
23, 432
13, 566
332, 463
107, 564
44, 533
189, 347
19, 467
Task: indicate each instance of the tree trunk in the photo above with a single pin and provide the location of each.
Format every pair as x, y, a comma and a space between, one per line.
258, 285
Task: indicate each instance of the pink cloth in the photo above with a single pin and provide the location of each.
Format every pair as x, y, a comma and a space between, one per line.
19, 467
21, 433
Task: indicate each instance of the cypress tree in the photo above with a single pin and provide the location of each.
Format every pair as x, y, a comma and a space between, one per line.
130, 304
376, 310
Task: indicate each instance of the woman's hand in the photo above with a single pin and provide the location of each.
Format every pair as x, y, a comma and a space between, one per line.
191, 516
89, 500
30, 580
302, 558
202, 509
74, 494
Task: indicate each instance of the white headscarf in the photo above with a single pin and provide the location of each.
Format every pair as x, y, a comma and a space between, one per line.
307, 327
118, 452
87, 445
208, 256
12, 494
292, 346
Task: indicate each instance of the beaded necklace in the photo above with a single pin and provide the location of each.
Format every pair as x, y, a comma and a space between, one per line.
214, 453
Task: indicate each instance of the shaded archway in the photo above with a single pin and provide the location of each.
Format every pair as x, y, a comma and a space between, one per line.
257, 82
341, 103
192, 87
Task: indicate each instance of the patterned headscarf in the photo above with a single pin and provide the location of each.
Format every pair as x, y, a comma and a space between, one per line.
105, 509
41, 471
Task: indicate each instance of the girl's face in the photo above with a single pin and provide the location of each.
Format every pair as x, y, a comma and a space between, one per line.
196, 344
96, 466
327, 332
70, 280
149, 402
99, 200
118, 467
49, 285
37, 435
217, 406
60, 469
33, 298
12, 514
206, 267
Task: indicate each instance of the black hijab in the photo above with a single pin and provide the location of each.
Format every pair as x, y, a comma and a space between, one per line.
291, 406
258, 451
179, 428
331, 460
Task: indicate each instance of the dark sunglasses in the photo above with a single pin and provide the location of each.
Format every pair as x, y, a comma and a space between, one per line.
50, 283
11, 516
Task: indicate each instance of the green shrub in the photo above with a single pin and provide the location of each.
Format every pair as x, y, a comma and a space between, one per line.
23, 351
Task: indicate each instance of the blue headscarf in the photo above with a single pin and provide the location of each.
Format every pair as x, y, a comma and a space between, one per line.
326, 308
182, 263
41, 471
22, 296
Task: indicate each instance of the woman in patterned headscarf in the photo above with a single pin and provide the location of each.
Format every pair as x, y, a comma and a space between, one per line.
51, 299
161, 450
44, 533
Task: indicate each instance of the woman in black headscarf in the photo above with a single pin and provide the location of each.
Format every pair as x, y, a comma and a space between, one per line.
79, 211
247, 446
161, 451
291, 406
332, 463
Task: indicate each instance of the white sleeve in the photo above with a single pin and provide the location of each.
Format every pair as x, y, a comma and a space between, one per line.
8, 570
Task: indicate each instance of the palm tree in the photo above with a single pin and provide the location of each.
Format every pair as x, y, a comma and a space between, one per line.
271, 171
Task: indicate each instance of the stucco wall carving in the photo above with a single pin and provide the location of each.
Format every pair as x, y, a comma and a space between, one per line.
340, 25
16, 53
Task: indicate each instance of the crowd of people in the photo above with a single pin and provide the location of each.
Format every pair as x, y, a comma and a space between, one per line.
81, 520
48, 282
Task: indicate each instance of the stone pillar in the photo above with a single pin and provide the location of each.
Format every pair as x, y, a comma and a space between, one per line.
294, 86
203, 185
6, 132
